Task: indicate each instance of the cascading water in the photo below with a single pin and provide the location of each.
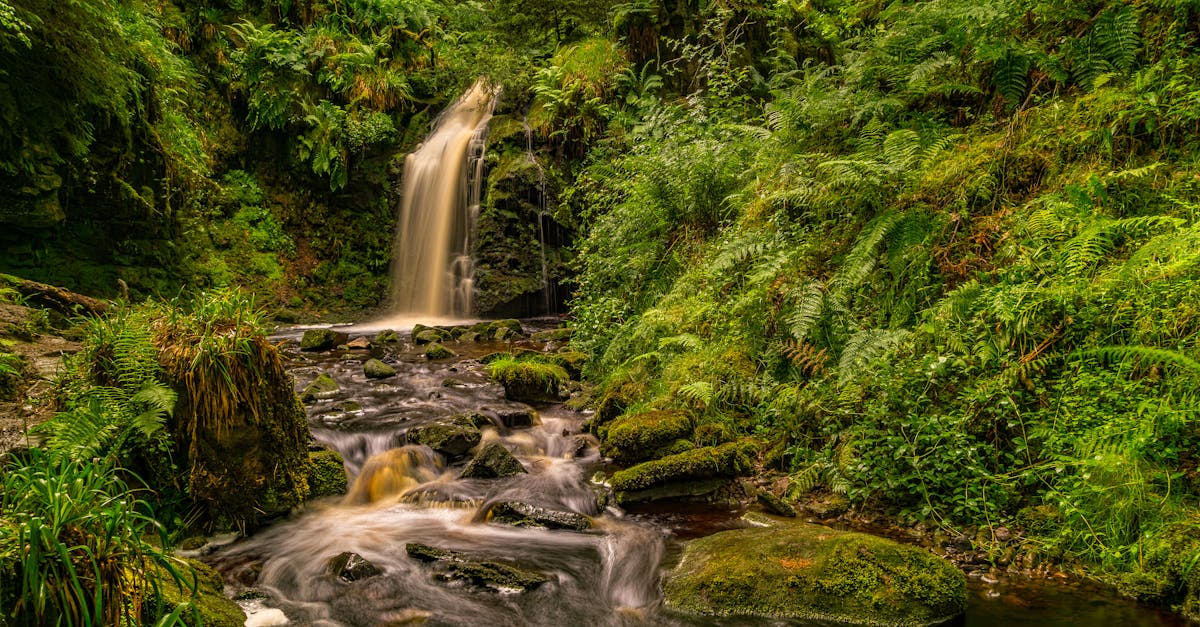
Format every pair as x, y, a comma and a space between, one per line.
432, 272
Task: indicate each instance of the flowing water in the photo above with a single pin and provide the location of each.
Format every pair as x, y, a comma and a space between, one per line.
402, 493
432, 273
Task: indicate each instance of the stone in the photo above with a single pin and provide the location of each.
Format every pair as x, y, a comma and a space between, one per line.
326, 475
479, 571
359, 343
809, 572
435, 350
703, 464
428, 336
775, 505
520, 514
324, 386
637, 437
517, 417
351, 567
493, 461
321, 339
375, 369
553, 335
451, 437
208, 599
470, 336
387, 336
512, 326
269, 617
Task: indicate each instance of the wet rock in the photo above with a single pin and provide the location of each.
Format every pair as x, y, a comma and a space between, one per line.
525, 515
483, 572
269, 617
470, 336
503, 334
553, 335
775, 505
504, 329
517, 417
321, 339
571, 361
458, 332
831, 506
286, 316
352, 567
814, 573
359, 344
436, 351
323, 386
387, 336
711, 462
429, 336
451, 382
493, 461
375, 369
452, 437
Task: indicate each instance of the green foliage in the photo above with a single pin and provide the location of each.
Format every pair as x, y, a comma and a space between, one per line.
78, 543
533, 372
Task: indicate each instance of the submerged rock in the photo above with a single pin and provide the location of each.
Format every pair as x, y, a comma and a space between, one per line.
321, 339
451, 437
375, 369
351, 567
525, 515
810, 572
476, 570
493, 461
323, 386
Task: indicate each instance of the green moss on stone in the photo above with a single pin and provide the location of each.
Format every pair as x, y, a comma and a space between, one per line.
323, 385
376, 369
802, 571
435, 350
326, 474
451, 437
638, 437
710, 462
320, 339
527, 378
208, 601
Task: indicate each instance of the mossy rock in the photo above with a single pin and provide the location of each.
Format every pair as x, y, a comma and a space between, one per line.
437, 351
351, 567
493, 461
326, 475
775, 505
527, 379
636, 437
324, 386
376, 369
429, 336
321, 339
387, 336
512, 326
553, 335
209, 601
702, 464
810, 572
520, 514
451, 437
571, 361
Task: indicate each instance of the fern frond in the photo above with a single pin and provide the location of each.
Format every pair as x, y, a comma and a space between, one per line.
158, 403
864, 347
807, 358
697, 393
860, 261
809, 304
1141, 355
681, 342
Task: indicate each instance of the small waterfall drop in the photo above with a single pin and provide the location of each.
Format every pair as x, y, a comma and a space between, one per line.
432, 271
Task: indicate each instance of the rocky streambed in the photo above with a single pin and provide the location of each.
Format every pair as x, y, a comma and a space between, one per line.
467, 507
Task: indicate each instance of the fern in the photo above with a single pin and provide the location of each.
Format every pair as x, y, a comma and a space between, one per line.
1140, 355
696, 393
807, 358
807, 309
864, 347
861, 260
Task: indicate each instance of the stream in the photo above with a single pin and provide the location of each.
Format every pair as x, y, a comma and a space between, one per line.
401, 494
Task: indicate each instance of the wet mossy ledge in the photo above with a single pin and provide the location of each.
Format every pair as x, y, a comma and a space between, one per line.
809, 572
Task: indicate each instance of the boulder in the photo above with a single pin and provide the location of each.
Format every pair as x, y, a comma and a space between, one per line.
637, 437
493, 461
326, 475
775, 505
525, 515
321, 339
814, 573
707, 465
517, 417
323, 386
387, 336
208, 599
571, 361
504, 329
428, 336
350, 567
479, 571
435, 350
452, 437
553, 335
359, 344
375, 369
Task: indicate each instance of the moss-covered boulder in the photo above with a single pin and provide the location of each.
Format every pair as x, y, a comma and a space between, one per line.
553, 335
387, 336
571, 361
480, 571
775, 505
451, 437
637, 437
493, 461
324, 386
376, 369
527, 378
690, 473
507, 328
436, 350
430, 335
810, 572
208, 599
321, 339
326, 474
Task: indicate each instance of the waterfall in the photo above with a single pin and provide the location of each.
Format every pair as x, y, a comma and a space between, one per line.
432, 271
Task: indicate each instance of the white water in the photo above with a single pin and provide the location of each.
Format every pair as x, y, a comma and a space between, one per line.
432, 272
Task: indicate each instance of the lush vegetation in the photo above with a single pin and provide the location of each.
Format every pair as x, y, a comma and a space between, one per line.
939, 257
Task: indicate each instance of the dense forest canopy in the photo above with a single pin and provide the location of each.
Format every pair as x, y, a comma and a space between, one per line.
938, 258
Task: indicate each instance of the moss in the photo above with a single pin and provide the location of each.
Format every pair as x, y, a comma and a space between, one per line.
320, 339
326, 474
208, 600
430, 335
710, 462
527, 378
553, 335
637, 437
452, 437
571, 361
512, 325
435, 350
376, 369
387, 336
323, 385
803, 571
